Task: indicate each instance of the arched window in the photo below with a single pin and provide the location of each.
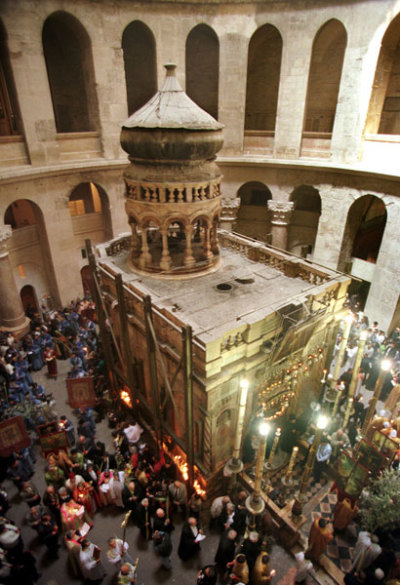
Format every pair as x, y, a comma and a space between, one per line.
263, 75
67, 52
384, 108
139, 50
9, 111
202, 68
324, 77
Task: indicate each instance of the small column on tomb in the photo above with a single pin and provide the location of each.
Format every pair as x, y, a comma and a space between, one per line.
165, 262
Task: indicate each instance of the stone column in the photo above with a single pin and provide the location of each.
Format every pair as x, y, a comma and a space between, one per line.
207, 243
165, 262
145, 257
281, 214
229, 211
12, 316
188, 259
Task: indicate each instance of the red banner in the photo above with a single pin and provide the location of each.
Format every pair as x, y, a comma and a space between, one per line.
13, 436
81, 392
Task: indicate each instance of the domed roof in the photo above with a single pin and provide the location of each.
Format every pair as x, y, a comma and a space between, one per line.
171, 108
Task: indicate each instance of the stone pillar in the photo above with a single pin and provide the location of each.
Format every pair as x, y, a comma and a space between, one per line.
145, 256
281, 214
207, 243
230, 208
12, 316
165, 263
188, 259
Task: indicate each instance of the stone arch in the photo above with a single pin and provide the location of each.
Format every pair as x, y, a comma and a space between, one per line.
68, 56
10, 120
304, 221
139, 50
202, 68
364, 229
29, 249
384, 109
253, 218
29, 299
324, 77
263, 78
201, 238
89, 208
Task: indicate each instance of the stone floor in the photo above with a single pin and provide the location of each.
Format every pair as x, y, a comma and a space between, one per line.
108, 523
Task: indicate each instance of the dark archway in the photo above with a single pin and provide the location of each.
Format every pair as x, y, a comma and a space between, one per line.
29, 299
139, 50
324, 77
384, 107
364, 230
202, 68
10, 119
263, 77
253, 218
89, 199
304, 221
68, 55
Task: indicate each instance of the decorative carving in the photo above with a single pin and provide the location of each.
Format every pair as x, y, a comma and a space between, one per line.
5, 235
281, 211
230, 208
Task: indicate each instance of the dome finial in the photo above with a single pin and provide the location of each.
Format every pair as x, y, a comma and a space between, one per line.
170, 67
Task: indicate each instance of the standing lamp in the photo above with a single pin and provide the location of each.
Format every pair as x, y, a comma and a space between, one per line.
235, 464
255, 504
354, 378
301, 498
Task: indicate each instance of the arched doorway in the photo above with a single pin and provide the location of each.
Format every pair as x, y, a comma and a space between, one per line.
30, 252
304, 221
90, 215
253, 218
29, 299
365, 225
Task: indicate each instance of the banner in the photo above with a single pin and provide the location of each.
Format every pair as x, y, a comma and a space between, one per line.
13, 436
81, 392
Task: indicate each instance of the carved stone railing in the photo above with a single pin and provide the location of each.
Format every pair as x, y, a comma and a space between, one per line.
118, 245
289, 265
173, 193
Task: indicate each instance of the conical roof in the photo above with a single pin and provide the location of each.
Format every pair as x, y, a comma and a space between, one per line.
171, 108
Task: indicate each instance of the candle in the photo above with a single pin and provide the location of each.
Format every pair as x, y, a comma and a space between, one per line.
292, 462
274, 446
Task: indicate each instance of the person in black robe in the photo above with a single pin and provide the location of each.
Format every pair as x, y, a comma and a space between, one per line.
188, 544
226, 549
144, 519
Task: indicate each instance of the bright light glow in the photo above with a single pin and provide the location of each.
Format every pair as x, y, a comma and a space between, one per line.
263, 428
364, 335
322, 421
349, 318
244, 384
386, 365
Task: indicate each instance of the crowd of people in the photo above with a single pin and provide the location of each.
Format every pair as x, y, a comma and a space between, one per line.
137, 478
